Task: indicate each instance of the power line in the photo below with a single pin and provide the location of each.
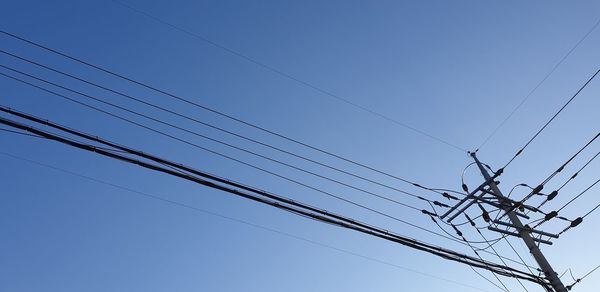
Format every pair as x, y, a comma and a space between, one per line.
48, 123
197, 105
64, 137
539, 188
553, 117
290, 77
554, 193
212, 126
535, 88
232, 219
584, 276
213, 139
267, 198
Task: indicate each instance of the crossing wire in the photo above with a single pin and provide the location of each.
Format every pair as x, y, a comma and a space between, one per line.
211, 139
214, 111
268, 199
212, 126
227, 217
22, 115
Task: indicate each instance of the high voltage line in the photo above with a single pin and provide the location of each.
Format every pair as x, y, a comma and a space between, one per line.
260, 196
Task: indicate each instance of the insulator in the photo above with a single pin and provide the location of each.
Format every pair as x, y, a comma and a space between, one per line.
440, 204
576, 222
457, 231
537, 189
552, 195
550, 215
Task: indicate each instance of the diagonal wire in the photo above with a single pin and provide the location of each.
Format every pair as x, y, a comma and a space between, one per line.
289, 76
535, 88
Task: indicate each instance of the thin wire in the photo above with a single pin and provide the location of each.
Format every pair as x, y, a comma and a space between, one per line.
552, 175
535, 88
195, 104
571, 178
215, 140
580, 279
345, 222
579, 195
553, 117
233, 219
290, 77
212, 126
267, 171
263, 197
498, 255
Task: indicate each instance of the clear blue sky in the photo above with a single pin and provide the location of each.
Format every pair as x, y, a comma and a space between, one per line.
453, 69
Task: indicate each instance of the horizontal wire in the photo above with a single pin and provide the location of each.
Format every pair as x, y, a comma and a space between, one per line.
214, 111
292, 206
234, 219
212, 126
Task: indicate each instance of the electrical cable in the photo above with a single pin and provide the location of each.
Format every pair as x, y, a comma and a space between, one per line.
554, 193
189, 118
230, 218
535, 88
293, 78
552, 118
274, 200
214, 111
580, 279
540, 187
215, 140
97, 139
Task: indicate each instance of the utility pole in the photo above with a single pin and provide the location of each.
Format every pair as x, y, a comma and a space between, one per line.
523, 231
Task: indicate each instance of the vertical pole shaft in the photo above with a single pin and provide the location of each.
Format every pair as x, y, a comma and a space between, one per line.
542, 262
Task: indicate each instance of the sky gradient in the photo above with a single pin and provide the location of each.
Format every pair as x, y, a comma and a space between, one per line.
454, 70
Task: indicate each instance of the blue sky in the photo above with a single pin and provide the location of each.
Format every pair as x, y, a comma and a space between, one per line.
454, 70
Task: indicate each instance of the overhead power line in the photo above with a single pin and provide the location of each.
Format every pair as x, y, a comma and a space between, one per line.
290, 77
540, 187
46, 122
205, 137
535, 88
214, 111
212, 126
553, 117
232, 219
266, 198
